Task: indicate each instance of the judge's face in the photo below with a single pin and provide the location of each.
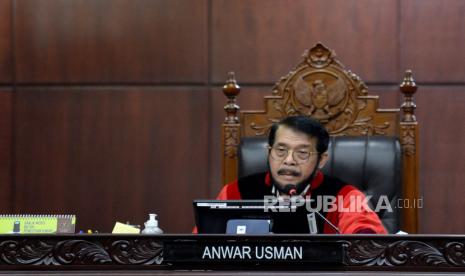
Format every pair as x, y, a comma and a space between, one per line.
293, 157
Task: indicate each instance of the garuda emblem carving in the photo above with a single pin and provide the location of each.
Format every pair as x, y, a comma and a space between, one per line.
323, 99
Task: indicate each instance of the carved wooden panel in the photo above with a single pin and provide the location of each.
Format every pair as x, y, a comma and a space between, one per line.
410, 253
231, 141
76, 251
407, 139
321, 88
104, 252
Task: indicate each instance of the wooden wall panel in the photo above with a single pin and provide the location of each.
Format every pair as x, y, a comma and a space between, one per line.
261, 40
111, 154
115, 41
5, 150
433, 39
442, 158
6, 75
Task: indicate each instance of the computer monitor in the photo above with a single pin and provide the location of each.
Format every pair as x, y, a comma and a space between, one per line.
212, 216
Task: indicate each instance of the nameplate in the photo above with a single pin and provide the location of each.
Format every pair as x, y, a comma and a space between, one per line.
214, 252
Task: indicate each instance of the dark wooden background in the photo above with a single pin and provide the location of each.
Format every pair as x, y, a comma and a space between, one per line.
110, 109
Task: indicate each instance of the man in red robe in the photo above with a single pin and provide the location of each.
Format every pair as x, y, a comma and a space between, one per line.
297, 151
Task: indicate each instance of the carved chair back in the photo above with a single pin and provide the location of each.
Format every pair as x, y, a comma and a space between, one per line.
322, 88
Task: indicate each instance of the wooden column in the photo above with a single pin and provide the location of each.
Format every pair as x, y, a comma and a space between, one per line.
409, 142
230, 133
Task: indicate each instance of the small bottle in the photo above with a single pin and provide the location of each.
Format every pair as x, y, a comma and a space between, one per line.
151, 226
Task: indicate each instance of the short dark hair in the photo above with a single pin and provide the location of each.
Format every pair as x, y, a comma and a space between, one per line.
304, 124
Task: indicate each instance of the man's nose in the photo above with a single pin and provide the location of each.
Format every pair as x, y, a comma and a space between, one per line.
289, 160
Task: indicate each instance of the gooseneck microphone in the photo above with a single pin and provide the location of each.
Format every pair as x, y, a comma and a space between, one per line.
292, 191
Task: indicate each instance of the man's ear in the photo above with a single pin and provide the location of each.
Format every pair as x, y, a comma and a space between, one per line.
324, 157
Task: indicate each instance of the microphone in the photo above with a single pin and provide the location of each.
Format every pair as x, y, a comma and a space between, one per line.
292, 191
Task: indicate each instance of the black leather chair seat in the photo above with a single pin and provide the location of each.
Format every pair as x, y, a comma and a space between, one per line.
371, 163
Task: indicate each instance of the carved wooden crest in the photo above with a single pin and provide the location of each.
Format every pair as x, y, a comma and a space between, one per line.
320, 87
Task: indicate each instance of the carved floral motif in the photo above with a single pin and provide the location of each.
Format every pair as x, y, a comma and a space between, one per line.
263, 129
79, 252
231, 141
407, 139
455, 253
26, 252
404, 253
137, 252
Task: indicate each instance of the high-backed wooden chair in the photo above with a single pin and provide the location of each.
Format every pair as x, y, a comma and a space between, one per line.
372, 148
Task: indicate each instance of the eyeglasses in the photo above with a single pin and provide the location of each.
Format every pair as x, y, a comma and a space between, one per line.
280, 153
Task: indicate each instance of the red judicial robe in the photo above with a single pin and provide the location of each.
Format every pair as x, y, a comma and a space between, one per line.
348, 219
